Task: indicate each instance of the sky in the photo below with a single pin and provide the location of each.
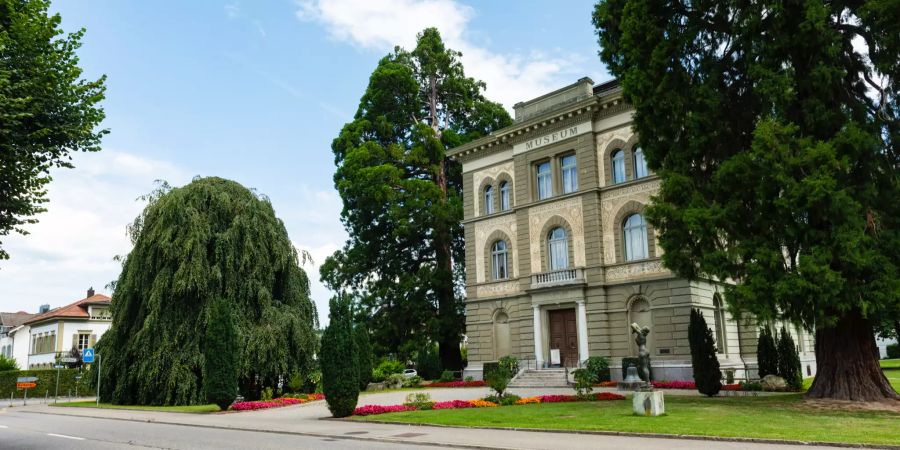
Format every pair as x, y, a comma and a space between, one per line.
255, 91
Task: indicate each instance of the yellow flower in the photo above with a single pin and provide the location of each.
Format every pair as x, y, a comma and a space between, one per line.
482, 403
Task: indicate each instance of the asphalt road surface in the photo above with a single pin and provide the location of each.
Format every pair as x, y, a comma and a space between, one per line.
26, 431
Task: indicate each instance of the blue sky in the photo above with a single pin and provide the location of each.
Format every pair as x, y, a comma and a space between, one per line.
255, 91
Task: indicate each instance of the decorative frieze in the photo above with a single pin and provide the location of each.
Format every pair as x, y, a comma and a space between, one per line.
603, 140
569, 210
495, 289
505, 224
626, 271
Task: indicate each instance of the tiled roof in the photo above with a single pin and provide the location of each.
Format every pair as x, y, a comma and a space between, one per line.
14, 319
78, 309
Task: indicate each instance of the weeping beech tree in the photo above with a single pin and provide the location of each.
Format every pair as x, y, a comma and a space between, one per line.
775, 128
211, 240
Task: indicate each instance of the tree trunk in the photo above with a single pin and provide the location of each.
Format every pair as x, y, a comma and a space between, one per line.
847, 367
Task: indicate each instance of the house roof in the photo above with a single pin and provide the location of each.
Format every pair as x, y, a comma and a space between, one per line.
14, 319
78, 310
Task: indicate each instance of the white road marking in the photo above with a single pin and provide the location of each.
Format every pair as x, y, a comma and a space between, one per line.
3, 426
66, 437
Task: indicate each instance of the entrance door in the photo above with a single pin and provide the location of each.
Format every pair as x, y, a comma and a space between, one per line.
564, 335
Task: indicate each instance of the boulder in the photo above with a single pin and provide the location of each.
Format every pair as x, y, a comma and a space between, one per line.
773, 383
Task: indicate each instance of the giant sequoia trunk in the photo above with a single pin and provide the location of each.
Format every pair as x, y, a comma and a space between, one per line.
848, 369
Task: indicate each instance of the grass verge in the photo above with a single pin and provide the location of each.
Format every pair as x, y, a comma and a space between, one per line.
770, 417
197, 409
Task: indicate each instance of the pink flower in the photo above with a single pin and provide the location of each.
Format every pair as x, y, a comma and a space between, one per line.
369, 410
453, 404
455, 384
674, 384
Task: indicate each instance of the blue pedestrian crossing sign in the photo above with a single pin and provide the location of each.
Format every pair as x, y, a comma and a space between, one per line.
87, 356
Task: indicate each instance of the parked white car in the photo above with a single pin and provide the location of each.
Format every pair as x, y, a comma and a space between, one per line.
409, 373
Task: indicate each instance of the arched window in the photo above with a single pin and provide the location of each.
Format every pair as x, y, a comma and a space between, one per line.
499, 261
558, 249
618, 166
721, 342
635, 234
504, 196
640, 164
489, 200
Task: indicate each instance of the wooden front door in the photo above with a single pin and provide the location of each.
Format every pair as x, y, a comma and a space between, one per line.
564, 336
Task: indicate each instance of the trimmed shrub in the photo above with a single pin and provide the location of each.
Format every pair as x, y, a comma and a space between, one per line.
766, 353
220, 385
703, 355
893, 351
363, 355
489, 368
789, 366
428, 363
446, 376
584, 379
598, 367
339, 373
498, 380
46, 383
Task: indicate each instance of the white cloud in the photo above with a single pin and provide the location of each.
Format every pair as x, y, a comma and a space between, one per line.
382, 24
232, 10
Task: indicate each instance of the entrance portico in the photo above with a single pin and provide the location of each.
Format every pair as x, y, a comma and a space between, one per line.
560, 327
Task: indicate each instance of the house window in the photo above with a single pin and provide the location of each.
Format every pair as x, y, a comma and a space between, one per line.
569, 174
558, 249
618, 166
84, 341
544, 181
640, 164
720, 324
504, 196
635, 233
499, 260
489, 200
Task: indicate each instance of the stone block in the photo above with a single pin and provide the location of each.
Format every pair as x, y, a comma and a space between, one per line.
648, 403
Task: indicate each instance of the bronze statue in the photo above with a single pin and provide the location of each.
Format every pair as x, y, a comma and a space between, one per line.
643, 355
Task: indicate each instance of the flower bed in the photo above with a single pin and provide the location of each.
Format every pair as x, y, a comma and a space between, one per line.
369, 410
276, 403
674, 384
607, 384
456, 384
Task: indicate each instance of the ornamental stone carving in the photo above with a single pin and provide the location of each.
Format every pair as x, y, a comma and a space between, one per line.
505, 224
611, 202
603, 140
569, 210
492, 173
627, 271
495, 289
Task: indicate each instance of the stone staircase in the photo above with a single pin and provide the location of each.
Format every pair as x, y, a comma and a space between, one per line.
531, 378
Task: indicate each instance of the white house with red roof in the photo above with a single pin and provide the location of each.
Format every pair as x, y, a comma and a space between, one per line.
44, 337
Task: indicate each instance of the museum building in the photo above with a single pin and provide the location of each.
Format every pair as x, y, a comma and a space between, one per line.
560, 259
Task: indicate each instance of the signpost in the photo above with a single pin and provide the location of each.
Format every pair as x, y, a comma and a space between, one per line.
68, 359
87, 357
26, 383
56, 396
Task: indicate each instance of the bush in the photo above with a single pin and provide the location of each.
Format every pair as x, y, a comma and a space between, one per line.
584, 379
314, 382
469, 379
266, 395
598, 368
766, 353
220, 370
446, 376
415, 381
339, 373
419, 400
394, 381
789, 366
510, 364
498, 380
893, 351
385, 368
428, 363
8, 364
751, 386
506, 400
703, 355
46, 383
489, 368
363, 355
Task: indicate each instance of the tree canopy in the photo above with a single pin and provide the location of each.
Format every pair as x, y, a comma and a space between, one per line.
47, 110
402, 197
211, 240
774, 128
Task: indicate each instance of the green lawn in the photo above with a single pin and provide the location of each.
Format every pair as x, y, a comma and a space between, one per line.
890, 364
184, 409
772, 417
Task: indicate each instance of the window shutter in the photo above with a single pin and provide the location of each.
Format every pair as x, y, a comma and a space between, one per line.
93, 340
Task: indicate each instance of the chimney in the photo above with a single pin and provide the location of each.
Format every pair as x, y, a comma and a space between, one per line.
44, 308
91, 291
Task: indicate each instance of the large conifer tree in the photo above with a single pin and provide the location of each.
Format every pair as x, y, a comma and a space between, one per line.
774, 127
211, 240
402, 196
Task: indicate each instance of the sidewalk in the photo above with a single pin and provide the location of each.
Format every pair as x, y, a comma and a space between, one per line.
311, 420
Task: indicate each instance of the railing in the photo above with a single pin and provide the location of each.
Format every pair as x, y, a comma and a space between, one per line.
556, 277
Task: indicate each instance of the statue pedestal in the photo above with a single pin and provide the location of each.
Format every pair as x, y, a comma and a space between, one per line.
648, 403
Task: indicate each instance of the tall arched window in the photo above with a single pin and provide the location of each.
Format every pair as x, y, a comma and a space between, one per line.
635, 234
504, 196
489, 200
721, 342
640, 164
558, 249
499, 260
618, 166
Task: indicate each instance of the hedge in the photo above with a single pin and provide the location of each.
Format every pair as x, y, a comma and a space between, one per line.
893, 351
46, 382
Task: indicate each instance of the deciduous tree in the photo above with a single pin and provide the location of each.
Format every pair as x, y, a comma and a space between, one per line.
211, 240
775, 129
402, 196
47, 109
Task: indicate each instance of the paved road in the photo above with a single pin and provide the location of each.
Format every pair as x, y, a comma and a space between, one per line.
22, 430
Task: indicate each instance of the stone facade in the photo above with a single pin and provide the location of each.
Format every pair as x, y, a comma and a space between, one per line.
593, 275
